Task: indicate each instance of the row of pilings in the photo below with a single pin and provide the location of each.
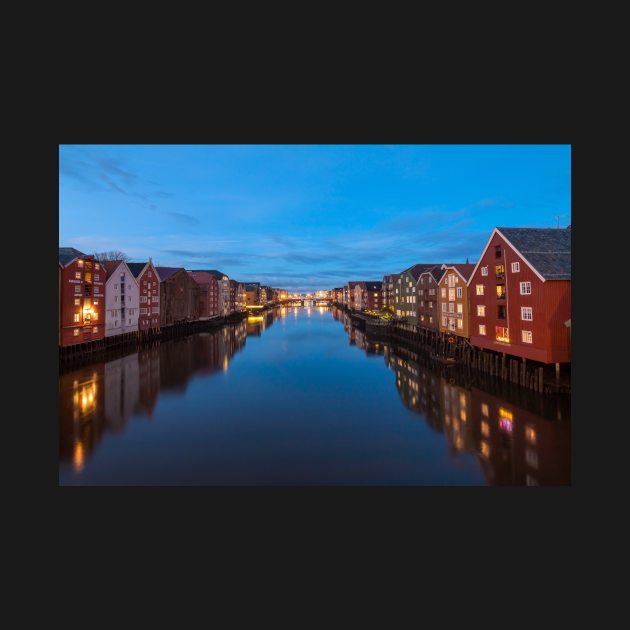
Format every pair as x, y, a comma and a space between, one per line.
445, 347
138, 339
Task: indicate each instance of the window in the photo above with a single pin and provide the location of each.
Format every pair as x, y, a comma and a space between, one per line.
421, 318
482, 329
460, 308
460, 292
527, 336
497, 251
155, 298
430, 319
76, 332
526, 288
97, 266
80, 264
443, 293
460, 324
444, 322
451, 307
502, 334
149, 285
481, 311
516, 267
501, 311
451, 295
77, 275
430, 304
526, 313
479, 289
499, 270
500, 292
95, 315
531, 457
95, 329
77, 302
77, 288
97, 277
484, 271
115, 298
530, 435
484, 409
422, 303
143, 311
95, 302
143, 298
155, 309
443, 307
77, 317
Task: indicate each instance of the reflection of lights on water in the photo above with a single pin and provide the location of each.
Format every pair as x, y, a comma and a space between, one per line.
84, 399
530, 435
308, 311
485, 449
484, 409
78, 456
485, 429
252, 319
225, 363
506, 425
321, 310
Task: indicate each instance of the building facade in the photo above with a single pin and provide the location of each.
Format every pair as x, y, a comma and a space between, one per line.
122, 299
388, 291
427, 298
208, 293
520, 294
368, 296
405, 286
352, 304
81, 297
453, 305
149, 316
179, 296
224, 290
252, 293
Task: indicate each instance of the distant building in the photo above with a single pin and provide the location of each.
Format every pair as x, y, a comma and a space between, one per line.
237, 296
81, 297
122, 299
179, 295
208, 293
520, 294
427, 307
453, 305
368, 296
405, 292
149, 318
252, 293
224, 290
352, 304
388, 291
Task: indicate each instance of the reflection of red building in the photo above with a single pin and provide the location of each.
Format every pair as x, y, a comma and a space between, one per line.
149, 318
81, 298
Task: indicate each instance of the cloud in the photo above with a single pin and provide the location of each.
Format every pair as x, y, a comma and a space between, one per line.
180, 217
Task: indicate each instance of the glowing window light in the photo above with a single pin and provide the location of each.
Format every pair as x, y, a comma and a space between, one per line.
78, 456
485, 429
530, 435
484, 409
485, 449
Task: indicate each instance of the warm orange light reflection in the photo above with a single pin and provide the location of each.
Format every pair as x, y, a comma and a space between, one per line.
252, 319
78, 456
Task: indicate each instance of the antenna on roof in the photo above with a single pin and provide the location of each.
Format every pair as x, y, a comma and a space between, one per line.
558, 217
467, 261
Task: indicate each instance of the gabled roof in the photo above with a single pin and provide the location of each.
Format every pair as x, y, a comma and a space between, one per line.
353, 284
464, 270
217, 274
415, 270
165, 273
137, 268
202, 277
547, 250
68, 254
110, 266
437, 271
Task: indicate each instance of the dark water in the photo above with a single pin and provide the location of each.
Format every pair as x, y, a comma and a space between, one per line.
299, 396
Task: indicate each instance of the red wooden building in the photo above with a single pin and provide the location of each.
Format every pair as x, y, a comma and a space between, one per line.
179, 296
81, 298
520, 294
208, 293
370, 295
149, 318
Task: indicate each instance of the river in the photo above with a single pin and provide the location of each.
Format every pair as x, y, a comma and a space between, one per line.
298, 396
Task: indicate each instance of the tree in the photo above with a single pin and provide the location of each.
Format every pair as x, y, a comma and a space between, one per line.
111, 255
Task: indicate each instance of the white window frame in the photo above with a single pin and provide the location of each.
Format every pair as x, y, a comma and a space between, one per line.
516, 267
482, 329
480, 289
524, 286
459, 292
527, 310
484, 271
481, 307
526, 336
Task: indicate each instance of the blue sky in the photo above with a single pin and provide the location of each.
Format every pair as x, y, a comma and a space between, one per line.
306, 217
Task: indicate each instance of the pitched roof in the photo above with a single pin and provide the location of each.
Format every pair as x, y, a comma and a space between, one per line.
136, 268
415, 270
547, 250
214, 272
465, 269
110, 266
202, 277
68, 254
353, 284
435, 270
166, 272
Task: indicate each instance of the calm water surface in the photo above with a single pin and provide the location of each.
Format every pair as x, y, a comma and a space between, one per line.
299, 396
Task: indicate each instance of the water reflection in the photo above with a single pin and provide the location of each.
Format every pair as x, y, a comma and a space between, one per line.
516, 443
102, 398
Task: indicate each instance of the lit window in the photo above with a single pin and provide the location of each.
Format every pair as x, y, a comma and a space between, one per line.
526, 313
77, 275
526, 288
451, 295
430, 319
499, 270
485, 449
516, 267
444, 322
500, 291
460, 324
95, 302
97, 266
502, 334
482, 329
76, 332
527, 336
530, 435
94, 315
485, 429
479, 289
80, 264
484, 271
484, 409
481, 310
77, 317
451, 307
443, 293
95, 329
77, 302
460, 308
